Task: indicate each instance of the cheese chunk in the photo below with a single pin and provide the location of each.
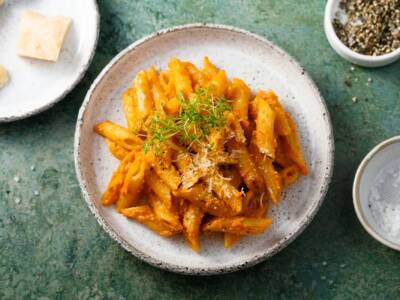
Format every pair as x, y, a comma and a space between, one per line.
42, 37
3, 76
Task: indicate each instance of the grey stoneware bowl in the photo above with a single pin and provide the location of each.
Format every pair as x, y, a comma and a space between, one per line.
262, 65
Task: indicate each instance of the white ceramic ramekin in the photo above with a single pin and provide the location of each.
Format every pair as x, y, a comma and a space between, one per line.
347, 53
379, 157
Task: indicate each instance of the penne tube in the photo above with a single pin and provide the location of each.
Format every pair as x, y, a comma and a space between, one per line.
133, 184
192, 217
159, 187
282, 125
271, 177
146, 216
292, 148
180, 77
209, 70
157, 92
200, 196
219, 84
119, 135
168, 173
237, 225
166, 214
240, 94
247, 168
225, 191
117, 150
111, 194
265, 126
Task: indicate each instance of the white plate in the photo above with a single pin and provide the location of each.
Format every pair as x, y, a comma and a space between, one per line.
263, 66
35, 85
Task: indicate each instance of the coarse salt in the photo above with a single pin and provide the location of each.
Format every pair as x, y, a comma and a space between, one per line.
384, 199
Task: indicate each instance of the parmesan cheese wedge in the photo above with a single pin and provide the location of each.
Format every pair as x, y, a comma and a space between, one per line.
42, 37
3, 76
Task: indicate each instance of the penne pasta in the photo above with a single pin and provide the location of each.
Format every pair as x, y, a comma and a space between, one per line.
238, 225
199, 154
271, 177
111, 194
292, 148
240, 93
219, 84
225, 191
200, 196
117, 150
282, 125
247, 168
180, 77
118, 135
265, 126
157, 92
145, 215
133, 184
169, 215
159, 188
192, 217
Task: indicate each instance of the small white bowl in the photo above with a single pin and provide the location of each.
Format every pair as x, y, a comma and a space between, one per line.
345, 52
380, 157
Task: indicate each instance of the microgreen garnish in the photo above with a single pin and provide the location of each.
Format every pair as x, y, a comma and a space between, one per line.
196, 118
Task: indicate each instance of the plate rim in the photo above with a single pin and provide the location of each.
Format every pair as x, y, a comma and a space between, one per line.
157, 262
79, 76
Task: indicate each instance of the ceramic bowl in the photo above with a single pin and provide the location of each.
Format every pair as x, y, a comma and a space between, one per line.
35, 85
366, 182
356, 58
259, 63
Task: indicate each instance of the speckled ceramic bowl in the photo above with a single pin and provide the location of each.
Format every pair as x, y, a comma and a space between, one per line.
261, 64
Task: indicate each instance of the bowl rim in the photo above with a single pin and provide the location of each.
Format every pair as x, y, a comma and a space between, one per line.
206, 270
356, 192
333, 38
78, 77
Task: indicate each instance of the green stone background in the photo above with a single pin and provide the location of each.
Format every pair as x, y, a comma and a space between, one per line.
51, 247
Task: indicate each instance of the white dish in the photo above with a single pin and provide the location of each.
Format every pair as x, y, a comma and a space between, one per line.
259, 63
356, 58
34, 85
380, 158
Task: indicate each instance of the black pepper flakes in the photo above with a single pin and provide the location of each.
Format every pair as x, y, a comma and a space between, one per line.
370, 27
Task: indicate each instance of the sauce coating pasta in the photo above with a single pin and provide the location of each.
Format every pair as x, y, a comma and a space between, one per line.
200, 153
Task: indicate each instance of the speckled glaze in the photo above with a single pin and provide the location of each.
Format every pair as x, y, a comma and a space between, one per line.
262, 65
36, 85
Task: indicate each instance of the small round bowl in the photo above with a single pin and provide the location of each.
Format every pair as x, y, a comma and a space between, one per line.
345, 52
379, 158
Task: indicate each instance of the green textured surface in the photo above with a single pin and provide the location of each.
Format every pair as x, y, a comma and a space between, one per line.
51, 247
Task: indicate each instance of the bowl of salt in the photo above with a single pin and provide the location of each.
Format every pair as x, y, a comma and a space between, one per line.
376, 193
